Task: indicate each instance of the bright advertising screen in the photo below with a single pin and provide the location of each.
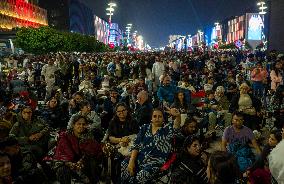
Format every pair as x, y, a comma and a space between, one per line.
255, 27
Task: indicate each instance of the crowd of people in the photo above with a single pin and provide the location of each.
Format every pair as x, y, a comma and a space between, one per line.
142, 117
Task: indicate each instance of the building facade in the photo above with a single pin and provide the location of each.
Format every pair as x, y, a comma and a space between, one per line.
101, 29
69, 15
20, 13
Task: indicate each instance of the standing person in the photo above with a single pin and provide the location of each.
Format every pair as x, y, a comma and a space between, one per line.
237, 139
48, 73
258, 77
158, 69
276, 76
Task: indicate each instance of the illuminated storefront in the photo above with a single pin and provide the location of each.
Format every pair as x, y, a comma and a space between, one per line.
236, 29
19, 13
115, 35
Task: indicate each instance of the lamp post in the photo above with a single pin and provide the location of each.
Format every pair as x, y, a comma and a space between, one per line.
128, 29
262, 7
110, 10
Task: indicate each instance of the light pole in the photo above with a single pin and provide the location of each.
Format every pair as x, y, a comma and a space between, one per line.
128, 29
262, 7
110, 10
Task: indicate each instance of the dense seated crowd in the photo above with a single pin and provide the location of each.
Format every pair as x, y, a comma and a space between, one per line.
152, 117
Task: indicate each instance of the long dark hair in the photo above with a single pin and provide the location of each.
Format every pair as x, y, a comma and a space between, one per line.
128, 116
224, 167
177, 101
276, 70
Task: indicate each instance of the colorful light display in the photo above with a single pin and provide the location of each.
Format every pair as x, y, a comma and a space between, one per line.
19, 13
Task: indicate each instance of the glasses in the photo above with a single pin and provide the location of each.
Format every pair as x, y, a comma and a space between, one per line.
121, 111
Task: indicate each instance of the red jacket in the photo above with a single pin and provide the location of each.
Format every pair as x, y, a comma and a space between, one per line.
70, 148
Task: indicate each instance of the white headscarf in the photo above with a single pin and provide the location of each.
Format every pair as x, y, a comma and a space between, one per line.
276, 162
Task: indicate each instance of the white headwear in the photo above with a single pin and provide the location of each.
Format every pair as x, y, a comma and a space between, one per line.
276, 162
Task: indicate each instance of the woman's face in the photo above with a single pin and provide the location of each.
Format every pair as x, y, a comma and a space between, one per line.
157, 118
180, 96
52, 103
79, 126
121, 112
278, 65
194, 149
5, 167
272, 141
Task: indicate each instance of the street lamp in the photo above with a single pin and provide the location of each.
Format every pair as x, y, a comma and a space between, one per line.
262, 7
110, 10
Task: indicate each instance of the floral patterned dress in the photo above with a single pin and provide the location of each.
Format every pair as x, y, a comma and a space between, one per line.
153, 152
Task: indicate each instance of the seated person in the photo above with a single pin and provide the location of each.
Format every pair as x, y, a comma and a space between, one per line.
189, 167
53, 115
143, 109
276, 162
219, 108
122, 126
259, 172
190, 128
77, 153
151, 148
222, 168
5, 168
86, 111
237, 139
24, 164
31, 132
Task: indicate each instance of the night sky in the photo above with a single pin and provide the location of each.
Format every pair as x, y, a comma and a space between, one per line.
157, 19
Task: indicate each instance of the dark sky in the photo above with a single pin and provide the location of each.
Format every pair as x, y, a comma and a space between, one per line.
157, 19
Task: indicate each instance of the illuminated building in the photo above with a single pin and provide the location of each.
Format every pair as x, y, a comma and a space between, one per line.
20, 13
248, 27
101, 29
115, 35
69, 15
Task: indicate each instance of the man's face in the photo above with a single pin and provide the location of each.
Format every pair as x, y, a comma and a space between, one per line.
238, 122
27, 114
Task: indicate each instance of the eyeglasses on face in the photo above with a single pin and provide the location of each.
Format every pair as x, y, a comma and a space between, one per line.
121, 111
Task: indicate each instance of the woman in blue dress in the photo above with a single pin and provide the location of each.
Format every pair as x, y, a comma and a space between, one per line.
151, 149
